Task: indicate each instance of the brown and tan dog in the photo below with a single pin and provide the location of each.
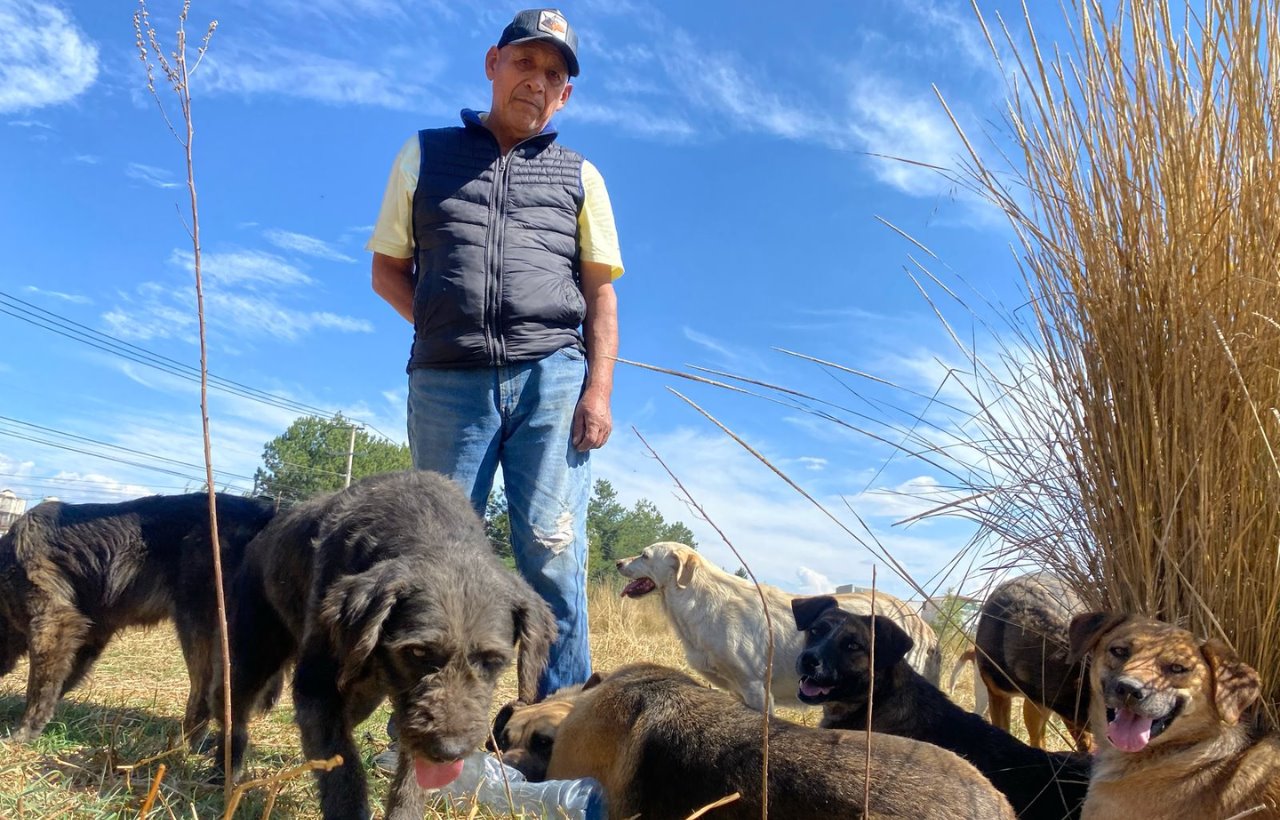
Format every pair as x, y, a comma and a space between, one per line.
1022, 650
1166, 714
665, 746
526, 732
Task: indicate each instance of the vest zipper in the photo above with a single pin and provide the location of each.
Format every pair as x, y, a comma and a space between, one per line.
493, 277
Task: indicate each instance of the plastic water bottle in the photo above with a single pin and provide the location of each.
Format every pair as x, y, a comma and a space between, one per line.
482, 779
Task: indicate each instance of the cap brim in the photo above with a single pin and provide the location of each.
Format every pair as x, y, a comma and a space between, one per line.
570, 59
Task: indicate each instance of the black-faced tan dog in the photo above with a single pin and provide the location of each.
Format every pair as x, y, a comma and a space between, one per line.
665, 746
1169, 716
835, 671
526, 732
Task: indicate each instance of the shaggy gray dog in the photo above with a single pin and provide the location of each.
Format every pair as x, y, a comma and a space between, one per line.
72, 575
386, 589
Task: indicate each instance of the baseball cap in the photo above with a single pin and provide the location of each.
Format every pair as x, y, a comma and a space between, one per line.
544, 24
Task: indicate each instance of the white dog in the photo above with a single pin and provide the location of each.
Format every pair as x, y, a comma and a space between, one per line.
722, 626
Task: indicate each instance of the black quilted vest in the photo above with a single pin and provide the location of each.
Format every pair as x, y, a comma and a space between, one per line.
496, 259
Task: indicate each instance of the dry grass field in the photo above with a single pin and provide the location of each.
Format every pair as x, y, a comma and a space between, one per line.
109, 737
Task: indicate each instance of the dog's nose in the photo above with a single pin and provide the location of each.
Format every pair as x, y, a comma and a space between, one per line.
621, 562
808, 664
446, 748
1129, 689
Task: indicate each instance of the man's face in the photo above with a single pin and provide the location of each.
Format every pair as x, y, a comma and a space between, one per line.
530, 84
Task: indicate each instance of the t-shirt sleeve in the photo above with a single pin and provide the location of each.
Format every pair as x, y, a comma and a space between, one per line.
393, 232
597, 233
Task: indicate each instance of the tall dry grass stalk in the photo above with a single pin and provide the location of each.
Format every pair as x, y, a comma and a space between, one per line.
1130, 444
177, 72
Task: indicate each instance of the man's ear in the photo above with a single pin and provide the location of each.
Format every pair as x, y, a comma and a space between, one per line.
491, 62
564, 95
1236, 684
807, 610
1088, 628
892, 642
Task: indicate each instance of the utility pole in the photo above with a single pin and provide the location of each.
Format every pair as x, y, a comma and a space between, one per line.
351, 454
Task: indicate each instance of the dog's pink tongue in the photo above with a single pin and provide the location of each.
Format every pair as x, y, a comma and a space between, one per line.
435, 775
1129, 732
810, 690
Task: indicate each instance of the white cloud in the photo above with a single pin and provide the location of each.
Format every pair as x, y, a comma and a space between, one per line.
284, 71
813, 463
631, 118
777, 531
86, 159
155, 177
899, 126
45, 59
245, 299
307, 245
74, 298
812, 582
253, 270
905, 500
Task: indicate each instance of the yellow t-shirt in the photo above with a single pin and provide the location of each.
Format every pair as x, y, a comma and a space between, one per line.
393, 233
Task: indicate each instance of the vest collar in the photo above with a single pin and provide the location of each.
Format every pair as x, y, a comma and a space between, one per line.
475, 119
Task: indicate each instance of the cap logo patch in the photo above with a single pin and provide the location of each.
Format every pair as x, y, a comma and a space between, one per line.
551, 22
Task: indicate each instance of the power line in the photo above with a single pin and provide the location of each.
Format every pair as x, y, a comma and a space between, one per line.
37, 316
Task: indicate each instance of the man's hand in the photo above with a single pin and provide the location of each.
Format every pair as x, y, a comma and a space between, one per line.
592, 421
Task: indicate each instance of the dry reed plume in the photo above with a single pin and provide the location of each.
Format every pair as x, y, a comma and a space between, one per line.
1128, 440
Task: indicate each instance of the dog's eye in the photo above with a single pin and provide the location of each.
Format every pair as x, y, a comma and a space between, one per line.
818, 630
426, 659
488, 663
1178, 669
850, 646
540, 743
1119, 652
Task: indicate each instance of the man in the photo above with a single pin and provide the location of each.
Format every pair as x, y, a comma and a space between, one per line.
498, 244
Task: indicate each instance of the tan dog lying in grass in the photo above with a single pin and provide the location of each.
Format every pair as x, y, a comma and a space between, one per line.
722, 626
1166, 715
665, 746
526, 732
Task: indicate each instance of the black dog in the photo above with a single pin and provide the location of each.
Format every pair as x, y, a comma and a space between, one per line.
386, 589
72, 575
835, 671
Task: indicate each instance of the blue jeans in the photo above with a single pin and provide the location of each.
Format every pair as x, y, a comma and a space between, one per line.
464, 422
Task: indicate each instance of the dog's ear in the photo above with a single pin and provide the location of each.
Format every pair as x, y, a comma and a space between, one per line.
807, 610
595, 680
535, 630
892, 642
354, 610
1088, 628
494, 741
1236, 684
686, 566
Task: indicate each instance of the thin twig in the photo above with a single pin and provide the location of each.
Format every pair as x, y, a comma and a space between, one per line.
151, 793
278, 778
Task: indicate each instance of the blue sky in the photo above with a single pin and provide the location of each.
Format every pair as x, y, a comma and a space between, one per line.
742, 145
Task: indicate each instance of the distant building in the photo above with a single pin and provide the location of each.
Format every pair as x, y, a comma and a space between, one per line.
11, 509
965, 606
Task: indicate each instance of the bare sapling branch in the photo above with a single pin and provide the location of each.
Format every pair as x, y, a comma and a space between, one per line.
178, 74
